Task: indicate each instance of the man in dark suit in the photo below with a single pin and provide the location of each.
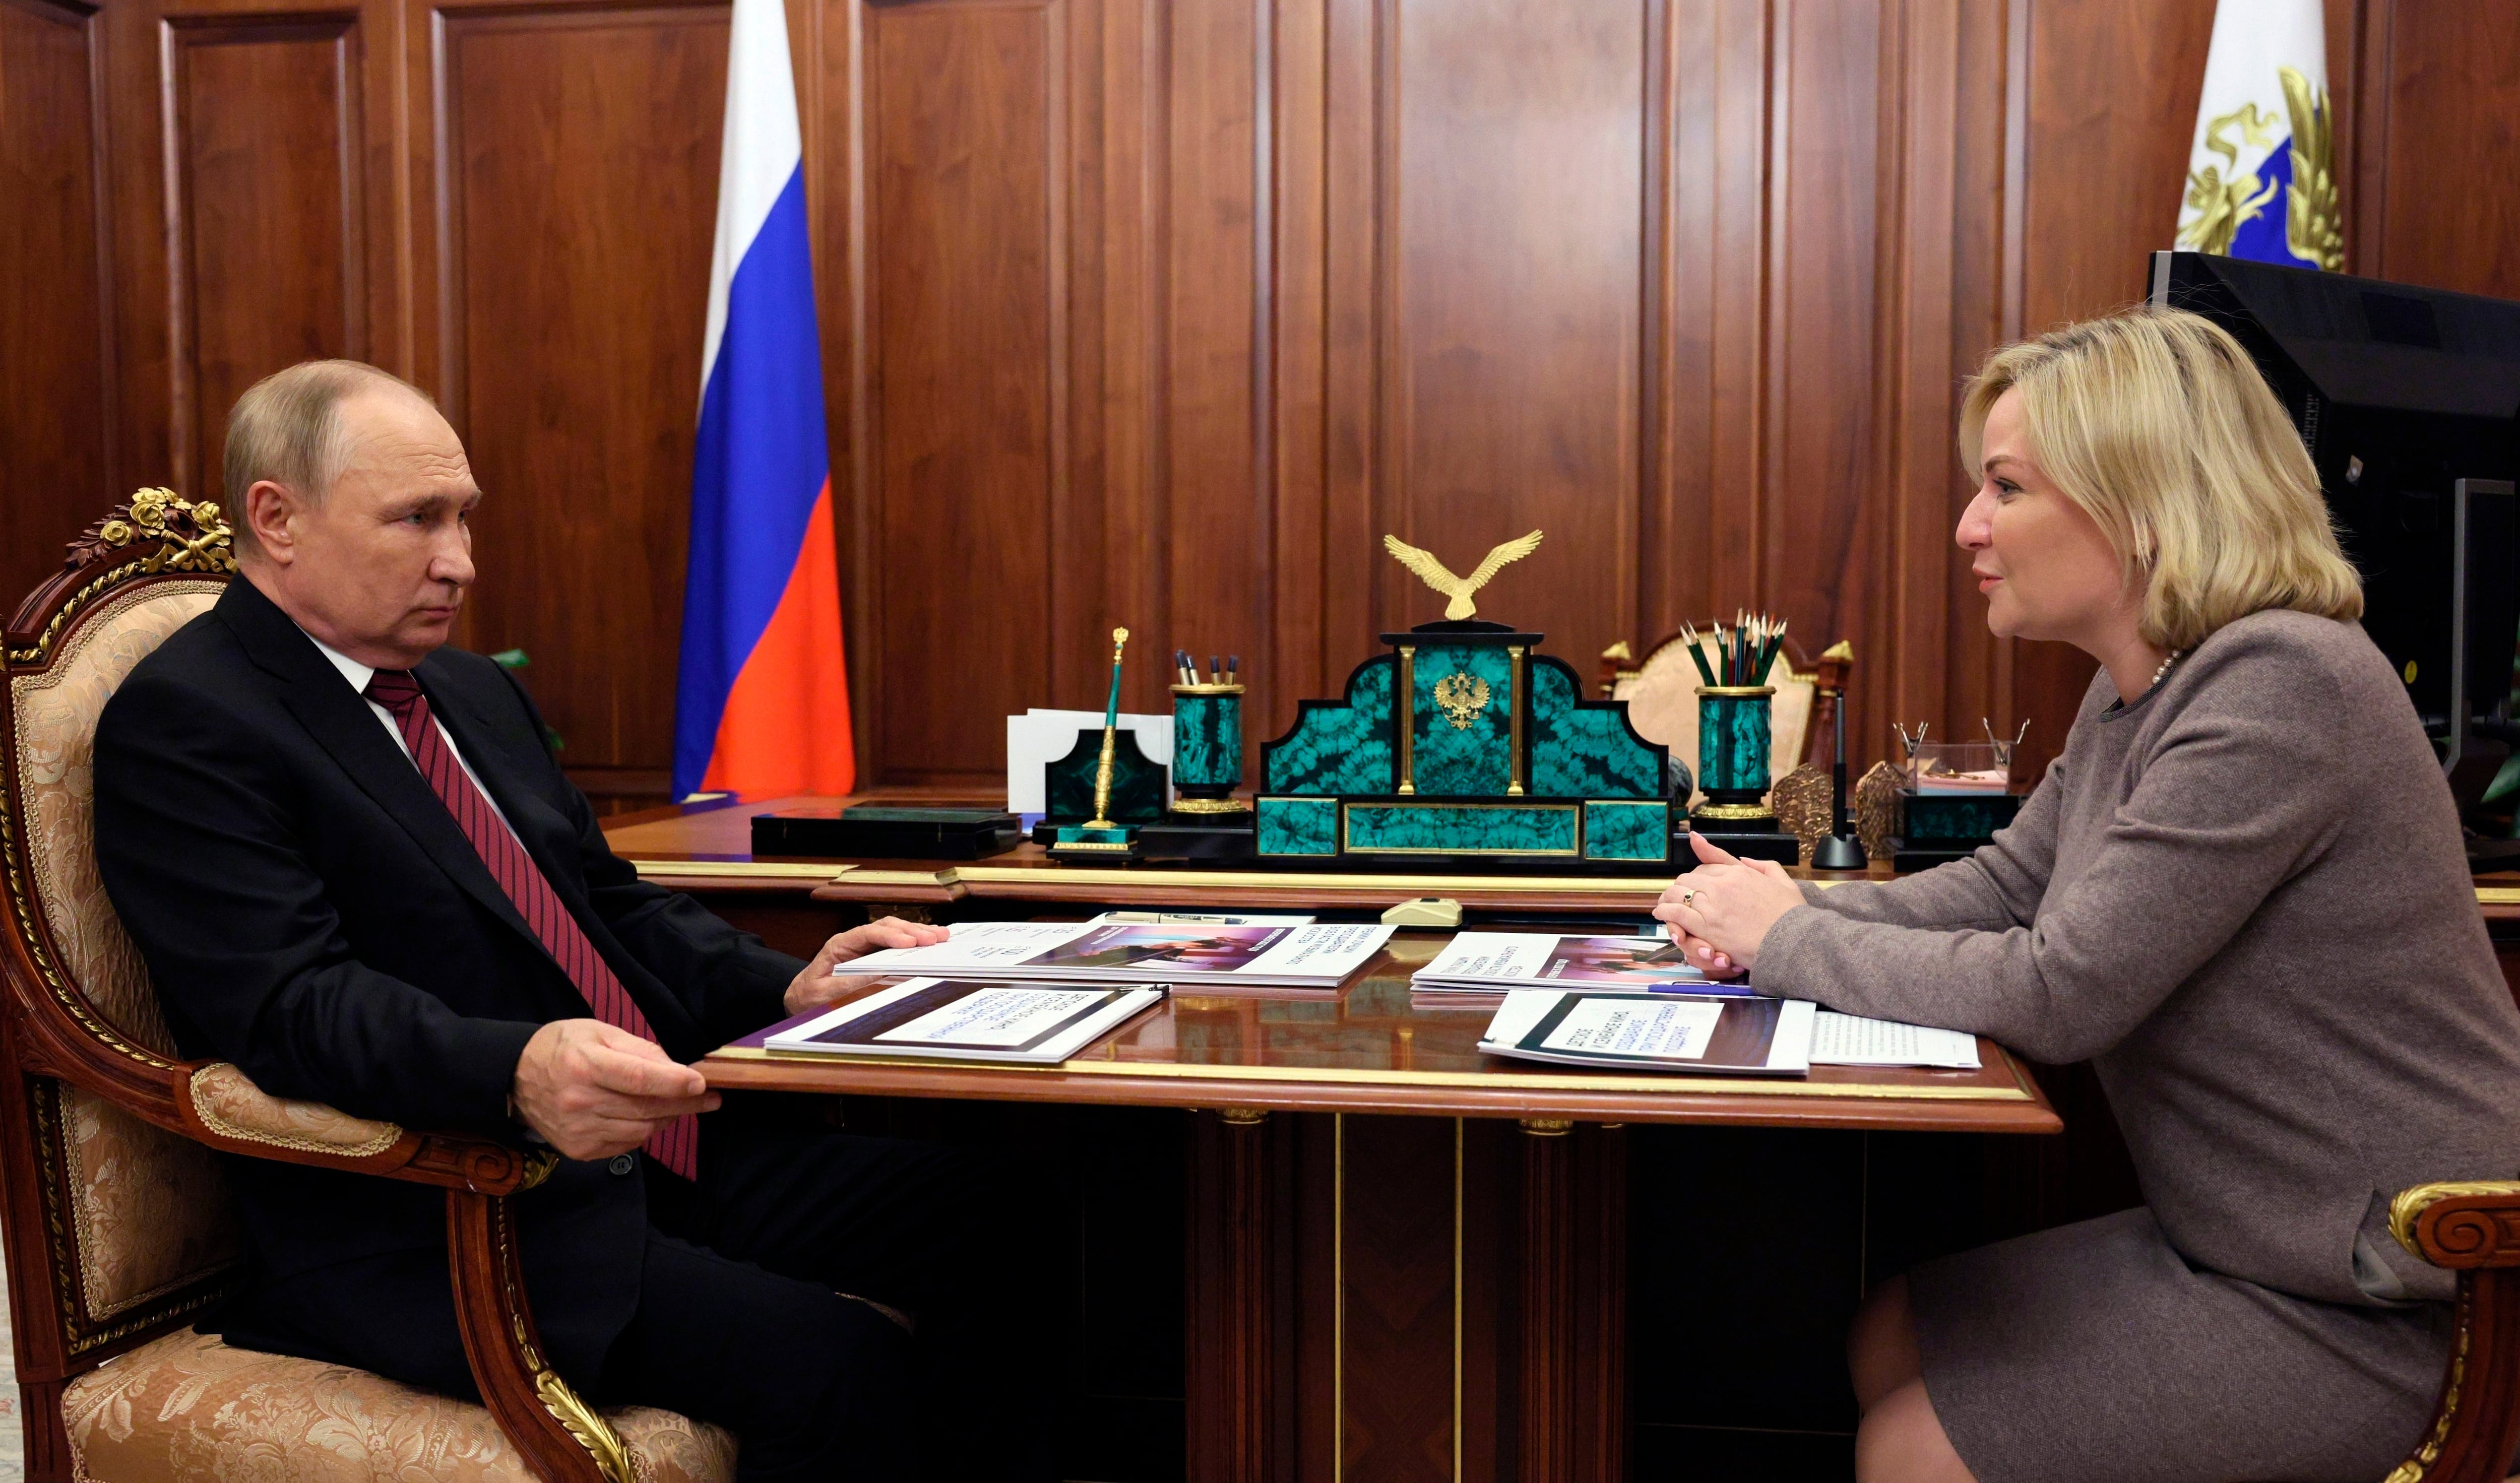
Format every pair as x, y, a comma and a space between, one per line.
355, 870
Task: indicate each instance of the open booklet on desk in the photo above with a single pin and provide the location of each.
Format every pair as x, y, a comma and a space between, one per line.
1654, 1032
1700, 1033
1492, 961
934, 1019
1316, 956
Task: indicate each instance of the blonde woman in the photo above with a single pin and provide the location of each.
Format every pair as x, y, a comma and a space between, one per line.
2241, 894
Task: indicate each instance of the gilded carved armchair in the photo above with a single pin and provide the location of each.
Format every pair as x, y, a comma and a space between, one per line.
117, 1220
2474, 1230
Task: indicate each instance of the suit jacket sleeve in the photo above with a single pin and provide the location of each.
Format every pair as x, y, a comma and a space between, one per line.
728, 979
200, 851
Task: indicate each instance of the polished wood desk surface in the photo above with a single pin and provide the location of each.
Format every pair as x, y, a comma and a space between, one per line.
1372, 1048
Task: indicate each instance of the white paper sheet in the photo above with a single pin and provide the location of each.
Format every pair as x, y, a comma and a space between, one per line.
1006, 1018
1676, 1030
1851, 1040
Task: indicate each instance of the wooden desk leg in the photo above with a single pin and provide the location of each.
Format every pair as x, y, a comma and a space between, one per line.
1572, 1299
1241, 1361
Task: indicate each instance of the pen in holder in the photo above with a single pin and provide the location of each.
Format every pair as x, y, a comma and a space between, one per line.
1207, 748
1099, 837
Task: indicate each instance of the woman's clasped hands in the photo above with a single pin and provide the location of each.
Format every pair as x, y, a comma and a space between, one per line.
1721, 912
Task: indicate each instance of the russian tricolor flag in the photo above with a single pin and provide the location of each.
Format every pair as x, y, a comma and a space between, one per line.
763, 703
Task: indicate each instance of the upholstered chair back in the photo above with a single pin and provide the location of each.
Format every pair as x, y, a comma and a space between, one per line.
145, 1227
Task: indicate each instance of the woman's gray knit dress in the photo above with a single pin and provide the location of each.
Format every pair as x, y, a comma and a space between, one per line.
2242, 898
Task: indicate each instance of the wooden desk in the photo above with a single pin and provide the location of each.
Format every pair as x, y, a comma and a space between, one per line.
1374, 1049
1405, 1261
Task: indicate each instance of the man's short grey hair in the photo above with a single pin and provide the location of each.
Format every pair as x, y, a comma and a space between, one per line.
287, 429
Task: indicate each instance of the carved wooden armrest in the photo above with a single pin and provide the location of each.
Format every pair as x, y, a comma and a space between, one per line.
215, 1103
561, 1436
2467, 1224
221, 1106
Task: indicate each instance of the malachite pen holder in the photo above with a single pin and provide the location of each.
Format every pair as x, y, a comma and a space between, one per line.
1207, 749
1732, 750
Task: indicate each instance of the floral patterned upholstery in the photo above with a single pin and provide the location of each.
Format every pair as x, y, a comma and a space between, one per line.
228, 1102
189, 1407
147, 1208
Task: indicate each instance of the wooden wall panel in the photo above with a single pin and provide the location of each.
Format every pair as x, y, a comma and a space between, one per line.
1820, 565
1942, 224
1512, 186
1162, 312
965, 187
268, 241
579, 194
56, 384
2104, 152
1217, 505
1699, 536
2444, 147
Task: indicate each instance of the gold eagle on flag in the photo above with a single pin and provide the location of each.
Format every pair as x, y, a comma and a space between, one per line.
1437, 575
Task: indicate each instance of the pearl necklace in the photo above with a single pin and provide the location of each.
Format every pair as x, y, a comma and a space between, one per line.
2174, 659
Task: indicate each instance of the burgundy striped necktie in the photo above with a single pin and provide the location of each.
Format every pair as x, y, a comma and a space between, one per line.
676, 1146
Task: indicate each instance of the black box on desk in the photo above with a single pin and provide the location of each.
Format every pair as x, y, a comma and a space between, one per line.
873, 832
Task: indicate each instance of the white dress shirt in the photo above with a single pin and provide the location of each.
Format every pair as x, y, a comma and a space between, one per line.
358, 675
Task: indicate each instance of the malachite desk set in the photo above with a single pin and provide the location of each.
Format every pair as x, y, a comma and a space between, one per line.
1461, 746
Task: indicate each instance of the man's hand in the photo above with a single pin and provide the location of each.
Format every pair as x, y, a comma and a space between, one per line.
592, 1091
815, 988
1721, 911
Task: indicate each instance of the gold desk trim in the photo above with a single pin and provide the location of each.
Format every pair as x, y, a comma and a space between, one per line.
1411, 885
1406, 698
1746, 1086
818, 874
1513, 777
2498, 895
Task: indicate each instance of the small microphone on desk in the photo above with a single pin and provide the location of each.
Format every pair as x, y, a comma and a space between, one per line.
1839, 851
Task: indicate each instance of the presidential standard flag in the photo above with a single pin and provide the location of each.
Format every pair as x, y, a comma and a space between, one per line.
2261, 176
762, 707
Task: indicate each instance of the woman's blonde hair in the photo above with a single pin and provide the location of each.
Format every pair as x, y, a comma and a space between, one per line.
2157, 423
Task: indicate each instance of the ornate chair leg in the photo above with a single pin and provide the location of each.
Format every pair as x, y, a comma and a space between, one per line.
561, 1436
2478, 1422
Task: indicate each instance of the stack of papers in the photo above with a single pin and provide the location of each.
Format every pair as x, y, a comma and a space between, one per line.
936, 1020
1654, 1032
1851, 1040
1489, 962
1086, 952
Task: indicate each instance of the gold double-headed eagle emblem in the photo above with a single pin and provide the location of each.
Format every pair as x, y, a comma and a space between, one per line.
1461, 697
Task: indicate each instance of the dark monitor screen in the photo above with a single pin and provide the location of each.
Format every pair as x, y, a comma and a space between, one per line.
2398, 393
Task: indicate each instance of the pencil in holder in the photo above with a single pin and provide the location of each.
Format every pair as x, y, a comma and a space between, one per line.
1207, 748
1732, 750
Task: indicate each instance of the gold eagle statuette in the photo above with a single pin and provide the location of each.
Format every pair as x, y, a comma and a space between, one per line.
1437, 575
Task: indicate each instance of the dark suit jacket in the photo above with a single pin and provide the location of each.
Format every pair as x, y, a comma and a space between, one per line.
310, 911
